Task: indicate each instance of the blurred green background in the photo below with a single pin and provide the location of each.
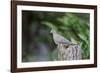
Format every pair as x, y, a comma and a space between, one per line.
37, 41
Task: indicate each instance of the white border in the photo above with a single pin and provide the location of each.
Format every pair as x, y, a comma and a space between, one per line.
50, 63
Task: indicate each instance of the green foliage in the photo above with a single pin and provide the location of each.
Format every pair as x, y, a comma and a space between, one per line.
36, 33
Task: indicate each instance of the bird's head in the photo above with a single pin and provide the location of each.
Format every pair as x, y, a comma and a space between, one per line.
52, 31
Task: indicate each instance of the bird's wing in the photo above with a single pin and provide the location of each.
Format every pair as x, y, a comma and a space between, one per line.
61, 39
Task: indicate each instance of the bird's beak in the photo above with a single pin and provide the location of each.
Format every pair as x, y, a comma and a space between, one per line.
51, 31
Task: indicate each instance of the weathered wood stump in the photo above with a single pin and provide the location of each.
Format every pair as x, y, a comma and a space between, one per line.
69, 52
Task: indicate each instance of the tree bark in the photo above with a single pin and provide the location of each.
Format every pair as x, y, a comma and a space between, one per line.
69, 52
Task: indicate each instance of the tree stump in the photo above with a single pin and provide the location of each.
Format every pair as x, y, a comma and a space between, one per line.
69, 52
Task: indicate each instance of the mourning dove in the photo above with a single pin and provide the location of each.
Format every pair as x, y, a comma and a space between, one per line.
59, 39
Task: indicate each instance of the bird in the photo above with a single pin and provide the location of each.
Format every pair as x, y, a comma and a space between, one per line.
59, 39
